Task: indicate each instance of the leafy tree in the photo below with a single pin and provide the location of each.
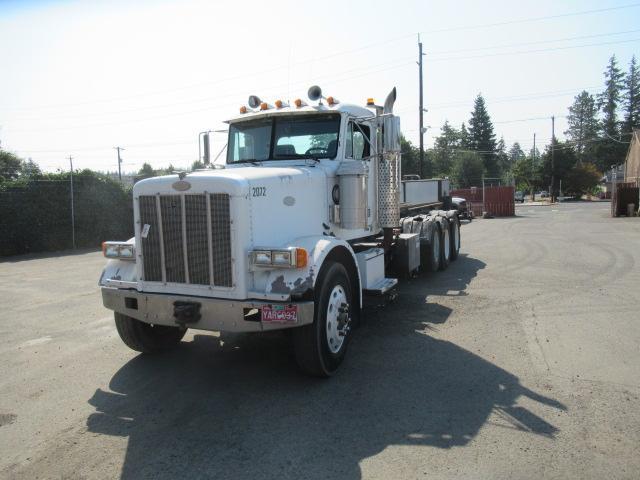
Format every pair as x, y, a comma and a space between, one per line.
30, 169
445, 146
467, 169
583, 125
410, 157
610, 151
564, 159
10, 165
631, 100
525, 174
481, 136
147, 171
581, 179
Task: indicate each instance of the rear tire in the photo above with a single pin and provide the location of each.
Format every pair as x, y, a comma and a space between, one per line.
431, 254
321, 346
147, 338
454, 228
445, 250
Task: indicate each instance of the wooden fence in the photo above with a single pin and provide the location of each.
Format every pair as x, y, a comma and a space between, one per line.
498, 201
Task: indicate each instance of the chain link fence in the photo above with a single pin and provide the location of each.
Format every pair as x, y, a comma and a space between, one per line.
35, 214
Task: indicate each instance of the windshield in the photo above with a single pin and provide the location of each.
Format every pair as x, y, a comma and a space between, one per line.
284, 138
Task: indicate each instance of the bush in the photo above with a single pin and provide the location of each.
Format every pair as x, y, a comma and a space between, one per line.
35, 213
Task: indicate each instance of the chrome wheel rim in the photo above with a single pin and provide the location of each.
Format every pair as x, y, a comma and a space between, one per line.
436, 248
338, 318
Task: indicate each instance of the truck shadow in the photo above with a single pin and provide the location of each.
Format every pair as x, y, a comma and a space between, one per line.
236, 406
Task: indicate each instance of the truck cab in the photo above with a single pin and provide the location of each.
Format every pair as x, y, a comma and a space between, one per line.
299, 224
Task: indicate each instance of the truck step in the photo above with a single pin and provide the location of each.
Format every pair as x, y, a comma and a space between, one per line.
381, 287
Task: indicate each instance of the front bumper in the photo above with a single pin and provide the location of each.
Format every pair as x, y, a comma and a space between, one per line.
219, 315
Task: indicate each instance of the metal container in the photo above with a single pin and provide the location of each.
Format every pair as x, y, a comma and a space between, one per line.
352, 179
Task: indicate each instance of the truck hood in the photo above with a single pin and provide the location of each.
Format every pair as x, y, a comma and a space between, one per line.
278, 203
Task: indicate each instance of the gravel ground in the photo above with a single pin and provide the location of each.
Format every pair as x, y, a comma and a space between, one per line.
519, 361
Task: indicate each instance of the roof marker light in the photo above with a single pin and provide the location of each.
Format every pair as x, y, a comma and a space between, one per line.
264, 106
370, 102
243, 109
299, 103
279, 104
332, 101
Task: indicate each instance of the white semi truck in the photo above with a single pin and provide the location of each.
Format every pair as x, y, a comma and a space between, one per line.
306, 220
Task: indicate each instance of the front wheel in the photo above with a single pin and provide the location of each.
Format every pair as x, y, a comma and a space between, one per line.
147, 338
321, 346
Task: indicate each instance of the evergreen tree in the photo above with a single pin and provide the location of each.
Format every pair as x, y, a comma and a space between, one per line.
516, 153
631, 100
481, 136
445, 146
464, 136
583, 125
504, 163
610, 151
610, 98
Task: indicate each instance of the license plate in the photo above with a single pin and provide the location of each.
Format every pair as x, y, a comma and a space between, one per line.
280, 313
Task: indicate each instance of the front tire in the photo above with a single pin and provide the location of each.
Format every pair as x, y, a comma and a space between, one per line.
321, 346
147, 338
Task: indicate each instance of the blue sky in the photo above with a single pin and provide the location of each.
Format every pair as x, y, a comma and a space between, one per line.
82, 77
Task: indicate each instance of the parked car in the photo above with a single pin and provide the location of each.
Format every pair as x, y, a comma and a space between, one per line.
519, 197
543, 194
463, 208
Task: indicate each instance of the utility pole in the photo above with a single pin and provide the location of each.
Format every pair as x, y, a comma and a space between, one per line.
73, 217
421, 108
533, 169
119, 163
553, 148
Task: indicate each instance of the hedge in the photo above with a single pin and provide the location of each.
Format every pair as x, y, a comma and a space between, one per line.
35, 213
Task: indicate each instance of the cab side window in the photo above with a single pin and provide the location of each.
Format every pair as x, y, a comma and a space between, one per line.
357, 146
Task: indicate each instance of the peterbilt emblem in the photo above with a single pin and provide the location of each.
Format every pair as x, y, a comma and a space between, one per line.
181, 185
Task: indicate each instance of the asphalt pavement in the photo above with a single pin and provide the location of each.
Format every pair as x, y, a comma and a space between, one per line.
519, 361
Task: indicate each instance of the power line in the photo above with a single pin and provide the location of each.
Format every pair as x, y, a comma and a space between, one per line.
539, 50
541, 42
531, 19
339, 53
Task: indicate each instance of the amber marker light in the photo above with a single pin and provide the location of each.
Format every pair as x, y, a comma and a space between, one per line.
279, 104
243, 109
301, 258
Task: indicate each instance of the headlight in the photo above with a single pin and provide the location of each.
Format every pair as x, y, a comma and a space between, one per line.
123, 251
289, 258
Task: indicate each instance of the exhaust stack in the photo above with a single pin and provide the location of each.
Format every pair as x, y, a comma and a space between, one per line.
389, 167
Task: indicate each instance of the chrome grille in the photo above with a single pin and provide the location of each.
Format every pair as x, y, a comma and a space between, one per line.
188, 240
